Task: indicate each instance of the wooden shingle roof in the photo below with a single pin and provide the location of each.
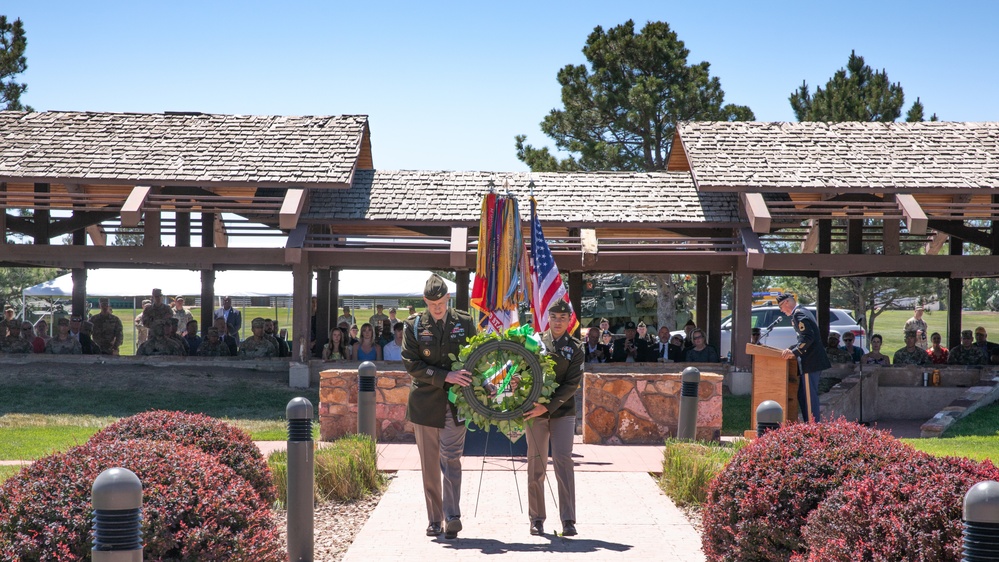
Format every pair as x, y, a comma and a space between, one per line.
823, 157
574, 199
181, 149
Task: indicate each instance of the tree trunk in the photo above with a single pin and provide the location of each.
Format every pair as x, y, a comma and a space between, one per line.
665, 300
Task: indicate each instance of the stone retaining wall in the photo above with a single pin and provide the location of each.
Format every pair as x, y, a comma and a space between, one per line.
338, 402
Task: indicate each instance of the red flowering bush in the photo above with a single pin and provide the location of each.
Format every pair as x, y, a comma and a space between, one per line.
230, 445
757, 506
194, 508
904, 512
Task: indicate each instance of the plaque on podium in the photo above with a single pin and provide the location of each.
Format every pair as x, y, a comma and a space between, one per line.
773, 379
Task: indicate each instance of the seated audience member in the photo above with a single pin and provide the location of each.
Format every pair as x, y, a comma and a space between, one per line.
223, 330
874, 356
596, 352
688, 329
910, 354
393, 349
257, 346
833, 351
967, 353
676, 349
336, 349
667, 350
213, 346
28, 334
354, 338
192, 338
651, 343
284, 348
63, 343
270, 333
367, 349
982, 342
17, 337
938, 354
87, 339
607, 338
41, 336
701, 352
171, 329
629, 349
604, 325
141, 331
386, 334
855, 352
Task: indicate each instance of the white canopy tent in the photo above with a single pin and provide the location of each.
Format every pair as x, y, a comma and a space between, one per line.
140, 282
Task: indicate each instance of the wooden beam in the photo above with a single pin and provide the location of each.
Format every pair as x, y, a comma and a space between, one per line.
41, 233
79, 298
219, 233
96, 232
459, 246
742, 285
131, 211
935, 244
757, 211
915, 218
844, 265
701, 302
301, 309
811, 241
754, 249
958, 229
890, 232
291, 208
3, 217
94, 257
713, 331
461, 278
207, 301
589, 246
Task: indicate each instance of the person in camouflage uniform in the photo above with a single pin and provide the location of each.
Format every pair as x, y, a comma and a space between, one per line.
9, 324
967, 353
63, 343
16, 341
172, 327
141, 331
835, 354
157, 314
213, 346
257, 346
160, 344
271, 337
910, 354
108, 333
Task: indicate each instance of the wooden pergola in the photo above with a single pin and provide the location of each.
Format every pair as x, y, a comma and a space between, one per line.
730, 190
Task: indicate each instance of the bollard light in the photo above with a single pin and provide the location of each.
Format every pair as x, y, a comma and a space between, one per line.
981, 522
690, 380
116, 497
366, 424
769, 416
301, 481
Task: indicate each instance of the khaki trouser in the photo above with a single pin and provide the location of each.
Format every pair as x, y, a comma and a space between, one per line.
440, 456
559, 432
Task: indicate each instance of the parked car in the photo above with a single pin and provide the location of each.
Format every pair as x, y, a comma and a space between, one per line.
782, 335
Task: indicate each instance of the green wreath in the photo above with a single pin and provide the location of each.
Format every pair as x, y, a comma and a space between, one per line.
503, 379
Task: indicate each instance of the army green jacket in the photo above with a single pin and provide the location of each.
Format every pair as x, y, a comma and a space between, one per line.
425, 350
568, 354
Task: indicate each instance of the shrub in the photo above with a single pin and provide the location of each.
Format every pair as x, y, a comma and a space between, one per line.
905, 512
758, 504
345, 470
230, 445
193, 507
688, 469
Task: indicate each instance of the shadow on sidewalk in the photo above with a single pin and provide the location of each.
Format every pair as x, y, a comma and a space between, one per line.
557, 544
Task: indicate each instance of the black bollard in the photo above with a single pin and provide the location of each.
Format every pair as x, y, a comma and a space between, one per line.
981, 522
690, 381
117, 500
769, 416
301, 481
366, 400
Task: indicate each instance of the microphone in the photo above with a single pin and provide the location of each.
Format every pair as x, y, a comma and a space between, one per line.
769, 328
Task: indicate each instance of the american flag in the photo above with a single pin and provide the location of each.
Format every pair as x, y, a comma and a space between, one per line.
545, 280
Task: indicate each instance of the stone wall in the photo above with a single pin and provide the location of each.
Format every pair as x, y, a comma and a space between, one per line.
338, 402
640, 402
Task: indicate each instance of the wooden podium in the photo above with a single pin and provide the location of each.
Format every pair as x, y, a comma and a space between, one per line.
773, 379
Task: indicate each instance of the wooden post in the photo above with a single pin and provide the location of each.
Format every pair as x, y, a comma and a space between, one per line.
151, 229
182, 229
332, 310
80, 292
713, 329
207, 230
742, 316
207, 300
891, 235
955, 290
461, 292
855, 236
576, 297
42, 218
822, 307
322, 307
701, 306
994, 230
301, 318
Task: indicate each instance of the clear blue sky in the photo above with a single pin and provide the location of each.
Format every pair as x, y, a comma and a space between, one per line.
448, 85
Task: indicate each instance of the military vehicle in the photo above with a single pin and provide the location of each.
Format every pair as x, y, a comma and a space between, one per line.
618, 298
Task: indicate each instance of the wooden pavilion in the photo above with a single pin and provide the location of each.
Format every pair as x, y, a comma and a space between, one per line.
848, 199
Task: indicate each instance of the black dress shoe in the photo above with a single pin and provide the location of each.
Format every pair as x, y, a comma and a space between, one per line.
434, 529
538, 528
569, 528
451, 528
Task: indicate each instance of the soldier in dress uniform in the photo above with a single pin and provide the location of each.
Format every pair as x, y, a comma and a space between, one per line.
809, 351
108, 333
213, 346
63, 343
555, 423
257, 346
440, 436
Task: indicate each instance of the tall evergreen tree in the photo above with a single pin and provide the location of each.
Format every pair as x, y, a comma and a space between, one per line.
12, 63
621, 113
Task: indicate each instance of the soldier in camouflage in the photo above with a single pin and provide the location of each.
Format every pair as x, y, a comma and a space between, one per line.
835, 354
159, 344
16, 341
63, 343
967, 353
213, 346
9, 324
172, 327
256, 346
269, 336
141, 331
157, 314
108, 333
910, 354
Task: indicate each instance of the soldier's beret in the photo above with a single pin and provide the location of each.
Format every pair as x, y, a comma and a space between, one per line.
436, 288
690, 322
783, 297
629, 325
642, 325
104, 300
560, 306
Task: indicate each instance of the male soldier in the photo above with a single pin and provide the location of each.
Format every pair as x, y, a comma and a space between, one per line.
213, 346
63, 343
141, 331
440, 436
376, 320
257, 346
269, 335
170, 329
87, 339
17, 340
157, 314
159, 343
555, 423
911, 354
967, 353
833, 351
809, 351
108, 334
182, 315
9, 322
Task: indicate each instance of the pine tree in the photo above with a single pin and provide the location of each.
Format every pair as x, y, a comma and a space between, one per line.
12, 63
